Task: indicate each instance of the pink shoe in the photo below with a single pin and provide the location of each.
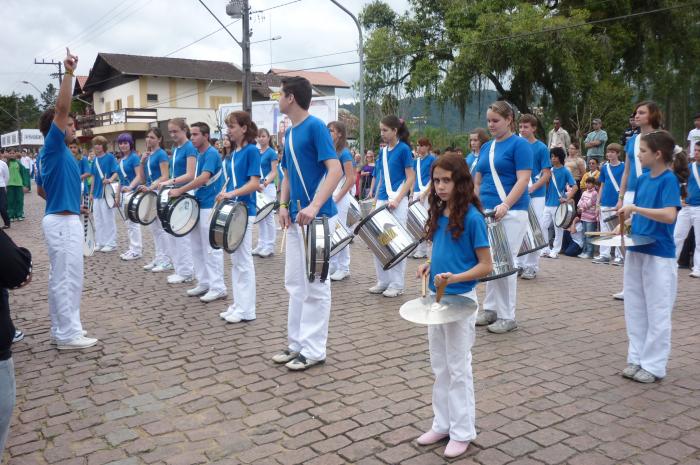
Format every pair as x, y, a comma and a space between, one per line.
431, 437
456, 448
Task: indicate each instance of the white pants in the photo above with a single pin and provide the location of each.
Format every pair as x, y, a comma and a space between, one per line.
532, 260
650, 291
105, 226
547, 220
501, 293
309, 302
687, 217
208, 262
64, 241
267, 233
627, 199
181, 254
160, 242
453, 391
243, 276
134, 230
606, 212
393, 278
422, 248
341, 260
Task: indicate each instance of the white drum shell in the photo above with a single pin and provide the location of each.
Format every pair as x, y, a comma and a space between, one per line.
534, 238
501, 256
386, 237
416, 220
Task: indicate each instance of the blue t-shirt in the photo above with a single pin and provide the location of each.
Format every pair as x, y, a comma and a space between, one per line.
210, 161
631, 156
609, 196
399, 158
512, 155
153, 165
280, 174
471, 158
425, 164
659, 192
83, 168
540, 161
266, 159
313, 146
59, 173
128, 165
693, 197
564, 179
180, 155
246, 164
458, 255
345, 156
108, 165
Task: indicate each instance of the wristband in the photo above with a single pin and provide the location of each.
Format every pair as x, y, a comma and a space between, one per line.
69, 73
427, 262
621, 196
284, 205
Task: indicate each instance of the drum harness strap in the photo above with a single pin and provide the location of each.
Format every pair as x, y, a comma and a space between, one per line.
612, 178
390, 192
496, 179
476, 160
637, 161
421, 186
212, 179
694, 169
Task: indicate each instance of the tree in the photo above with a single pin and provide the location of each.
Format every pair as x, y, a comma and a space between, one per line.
28, 112
48, 97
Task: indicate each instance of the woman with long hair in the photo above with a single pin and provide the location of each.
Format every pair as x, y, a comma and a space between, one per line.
477, 138
267, 234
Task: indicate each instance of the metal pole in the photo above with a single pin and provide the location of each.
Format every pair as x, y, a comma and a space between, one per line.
247, 88
360, 51
19, 124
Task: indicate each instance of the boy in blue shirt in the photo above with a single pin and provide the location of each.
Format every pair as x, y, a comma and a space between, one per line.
561, 189
608, 192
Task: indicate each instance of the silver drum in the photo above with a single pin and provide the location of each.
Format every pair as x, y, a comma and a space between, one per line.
229, 222
417, 219
388, 240
501, 256
534, 238
565, 214
318, 249
110, 193
264, 206
342, 237
366, 207
181, 215
354, 212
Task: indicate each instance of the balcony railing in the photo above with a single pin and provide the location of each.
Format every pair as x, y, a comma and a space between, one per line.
125, 115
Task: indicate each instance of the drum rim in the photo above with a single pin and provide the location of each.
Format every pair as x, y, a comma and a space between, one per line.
130, 207
227, 247
259, 212
529, 251
368, 217
212, 224
502, 275
341, 245
171, 207
569, 215
160, 211
104, 195
145, 193
312, 248
401, 256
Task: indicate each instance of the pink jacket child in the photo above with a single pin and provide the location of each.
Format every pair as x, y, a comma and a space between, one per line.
587, 204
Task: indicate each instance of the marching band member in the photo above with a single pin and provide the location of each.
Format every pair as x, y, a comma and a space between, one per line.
502, 175
340, 262
242, 171
395, 174
610, 178
421, 187
104, 171
689, 215
477, 138
156, 161
130, 177
651, 274
561, 189
267, 234
62, 227
208, 262
182, 170
311, 172
83, 167
460, 255
541, 172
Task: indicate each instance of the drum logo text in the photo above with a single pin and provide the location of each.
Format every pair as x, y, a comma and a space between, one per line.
387, 236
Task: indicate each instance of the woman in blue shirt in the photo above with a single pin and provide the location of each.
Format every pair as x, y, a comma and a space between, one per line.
340, 262
689, 215
651, 274
460, 255
104, 171
395, 177
502, 176
421, 187
130, 177
267, 234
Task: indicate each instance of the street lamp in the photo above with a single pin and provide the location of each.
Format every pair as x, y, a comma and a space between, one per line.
31, 84
362, 76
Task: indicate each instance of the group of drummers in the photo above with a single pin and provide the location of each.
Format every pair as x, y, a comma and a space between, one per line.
478, 216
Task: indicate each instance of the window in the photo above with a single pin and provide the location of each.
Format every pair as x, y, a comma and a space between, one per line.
118, 104
151, 97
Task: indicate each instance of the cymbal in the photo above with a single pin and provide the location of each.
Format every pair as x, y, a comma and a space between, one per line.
425, 311
631, 240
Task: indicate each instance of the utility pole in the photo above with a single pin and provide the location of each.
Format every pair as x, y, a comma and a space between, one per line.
247, 85
53, 63
19, 123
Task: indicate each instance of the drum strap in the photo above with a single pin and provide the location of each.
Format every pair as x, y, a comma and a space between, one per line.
150, 170
99, 170
554, 180
494, 174
694, 169
421, 186
212, 179
121, 168
172, 171
296, 163
233, 169
390, 192
476, 160
612, 178
637, 161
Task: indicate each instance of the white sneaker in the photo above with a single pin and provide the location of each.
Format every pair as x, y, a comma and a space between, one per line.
256, 251
265, 253
80, 342
545, 252
236, 318
160, 267
150, 265
108, 248
553, 255
211, 296
197, 291
129, 255
694, 274
52, 339
391, 292
377, 289
339, 275
177, 279
619, 296
226, 313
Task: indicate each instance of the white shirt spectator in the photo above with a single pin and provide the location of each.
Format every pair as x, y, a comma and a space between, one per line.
4, 174
26, 161
693, 139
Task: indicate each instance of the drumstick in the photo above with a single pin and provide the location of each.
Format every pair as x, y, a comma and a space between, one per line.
440, 291
303, 233
600, 233
424, 284
622, 232
284, 238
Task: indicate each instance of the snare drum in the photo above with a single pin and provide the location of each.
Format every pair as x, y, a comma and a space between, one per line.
501, 256
264, 206
110, 192
612, 221
88, 236
534, 238
388, 240
124, 205
342, 237
229, 222
142, 207
565, 214
416, 220
162, 202
318, 249
180, 215
354, 212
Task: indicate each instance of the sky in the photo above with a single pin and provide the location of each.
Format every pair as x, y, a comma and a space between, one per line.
41, 29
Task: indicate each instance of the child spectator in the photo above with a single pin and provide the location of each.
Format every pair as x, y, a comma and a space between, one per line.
589, 214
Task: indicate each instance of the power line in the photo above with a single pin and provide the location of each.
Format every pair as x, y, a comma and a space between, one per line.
202, 38
309, 58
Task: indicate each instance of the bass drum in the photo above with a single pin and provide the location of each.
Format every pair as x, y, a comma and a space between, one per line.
264, 206
417, 218
181, 215
110, 192
142, 207
501, 256
565, 214
318, 249
388, 240
534, 238
229, 222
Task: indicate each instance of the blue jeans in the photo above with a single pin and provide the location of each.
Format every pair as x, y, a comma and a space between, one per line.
587, 245
7, 399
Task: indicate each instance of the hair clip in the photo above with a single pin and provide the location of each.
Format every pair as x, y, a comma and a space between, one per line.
677, 149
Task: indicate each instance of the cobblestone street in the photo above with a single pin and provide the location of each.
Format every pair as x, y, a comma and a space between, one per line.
172, 383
